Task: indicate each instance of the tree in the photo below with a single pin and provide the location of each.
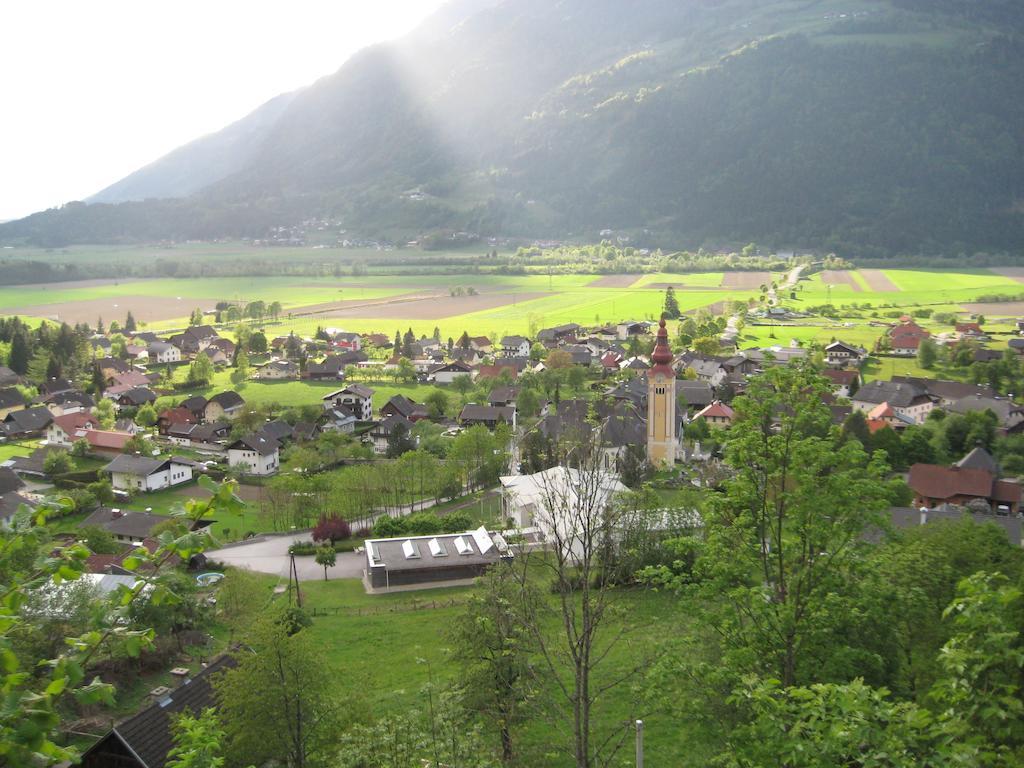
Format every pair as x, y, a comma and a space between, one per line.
240, 599
772, 560
327, 557
274, 310
556, 359
400, 440
575, 507
437, 404
197, 741
58, 462
196, 318
671, 310
201, 371
35, 687
491, 645
278, 704
258, 343
926, 354
406, 371
331, 528
20, 353
146, 416
137, 444
129, 323
241, 372
707, 345
104, 412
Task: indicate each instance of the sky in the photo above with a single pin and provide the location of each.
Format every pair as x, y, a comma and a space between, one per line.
93, 90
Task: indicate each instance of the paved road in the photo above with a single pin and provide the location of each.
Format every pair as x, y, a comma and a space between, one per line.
270, 555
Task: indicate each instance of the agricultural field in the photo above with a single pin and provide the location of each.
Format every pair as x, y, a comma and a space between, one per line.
494, 305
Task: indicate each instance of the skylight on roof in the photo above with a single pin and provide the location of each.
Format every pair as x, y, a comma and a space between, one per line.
410, 549
462, 546
437, 548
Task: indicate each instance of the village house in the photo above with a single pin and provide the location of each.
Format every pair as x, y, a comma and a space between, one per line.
209, 438
481, 344
559, 333
447, 373
12, 495
692, 395
223, 405
255, 454
905, 338
906, 399
717, 414
136, 397
68, 402
401, 405
971, 481
338, 419
276, 370
143, 473
8, 378
839, 354
503, 396
65, 430
194, 339
496, 371
632, 328
844, 381
146, 739
382, 431
10, 400
130, 527
161, 352
356, 398
947, 393
432, 560
515, 346
488, 415
884, 415
29, 422
170, 417
345, 340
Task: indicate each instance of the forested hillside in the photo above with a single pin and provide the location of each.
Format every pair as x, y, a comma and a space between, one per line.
865, 127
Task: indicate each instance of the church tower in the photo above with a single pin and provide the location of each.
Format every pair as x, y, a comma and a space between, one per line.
661, 404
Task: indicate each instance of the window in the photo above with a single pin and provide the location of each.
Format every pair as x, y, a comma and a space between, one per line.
437, 548
462, 546
410, 549
659, 390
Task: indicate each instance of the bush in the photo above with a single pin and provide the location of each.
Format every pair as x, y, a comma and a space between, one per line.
330, 528
82, 498
388, 527
456, 522
423, 524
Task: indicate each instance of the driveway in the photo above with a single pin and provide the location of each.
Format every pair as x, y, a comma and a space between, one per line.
269, 554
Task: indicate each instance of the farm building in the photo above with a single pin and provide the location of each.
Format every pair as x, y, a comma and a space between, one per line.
141, 473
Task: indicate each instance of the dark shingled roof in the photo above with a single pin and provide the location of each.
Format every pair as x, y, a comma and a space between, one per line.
908, 517
135, 525
264, 446
29, 420
9, 482
226, 400
979, 458
10, 398
134, 465
148, 734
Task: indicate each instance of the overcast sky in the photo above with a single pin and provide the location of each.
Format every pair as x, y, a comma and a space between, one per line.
93, 89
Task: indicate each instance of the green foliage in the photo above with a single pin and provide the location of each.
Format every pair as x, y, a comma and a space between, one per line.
146, 416
201, 371
197, 741
326, 557
58, 462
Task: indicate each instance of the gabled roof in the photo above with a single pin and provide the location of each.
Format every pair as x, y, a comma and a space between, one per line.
897, 394
474, 412
513, 341
10, 398
140, 466
138, 396
717, 410
29, 420
109, 441
277, 430
405, 406
841, 377
979, 458
134, 525
936, 482
262, 444
227, 400
387, 426
148, 734
196, 403
71, 422
356, 390
10, 482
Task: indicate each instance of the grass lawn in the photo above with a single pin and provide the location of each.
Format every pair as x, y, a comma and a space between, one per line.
22, 448
382, 650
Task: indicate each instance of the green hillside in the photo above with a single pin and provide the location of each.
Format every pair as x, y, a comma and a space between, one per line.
866, 127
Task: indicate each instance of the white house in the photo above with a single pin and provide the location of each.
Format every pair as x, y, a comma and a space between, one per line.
255, 455
515, 346
163, 352
142, 473
550, 500
355, 398
66, 429
448, 373
276, 370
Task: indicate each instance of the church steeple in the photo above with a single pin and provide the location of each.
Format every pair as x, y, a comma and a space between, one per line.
661, 403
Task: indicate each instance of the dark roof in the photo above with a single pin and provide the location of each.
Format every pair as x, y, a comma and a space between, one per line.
390, 553
387, 426
134, 525
947, 390
208, 433
148, 734
897, 394
11, 502
513, 341
52, 386
226, 400
979, 458
502, 395
261, 444
696, 392
7, 376
473, 412
908, 517
10, 397
138, 396
142, 466
194, 403
405, 406
277, 430
29, 420
9, 481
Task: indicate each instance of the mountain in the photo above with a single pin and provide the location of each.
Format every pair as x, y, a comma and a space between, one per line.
868, 127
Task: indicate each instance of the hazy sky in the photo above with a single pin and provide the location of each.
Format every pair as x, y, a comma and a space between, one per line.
93, 89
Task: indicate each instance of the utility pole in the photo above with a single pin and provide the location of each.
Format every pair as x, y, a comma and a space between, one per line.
639, 744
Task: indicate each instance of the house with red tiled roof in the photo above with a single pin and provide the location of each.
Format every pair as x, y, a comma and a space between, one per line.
844, 381
884, 415
970, 480
906, 338
64, 430
717, 414
496, 371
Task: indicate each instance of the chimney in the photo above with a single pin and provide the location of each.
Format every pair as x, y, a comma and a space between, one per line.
116, 513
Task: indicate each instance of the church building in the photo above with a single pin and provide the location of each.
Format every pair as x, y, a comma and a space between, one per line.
661, 404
